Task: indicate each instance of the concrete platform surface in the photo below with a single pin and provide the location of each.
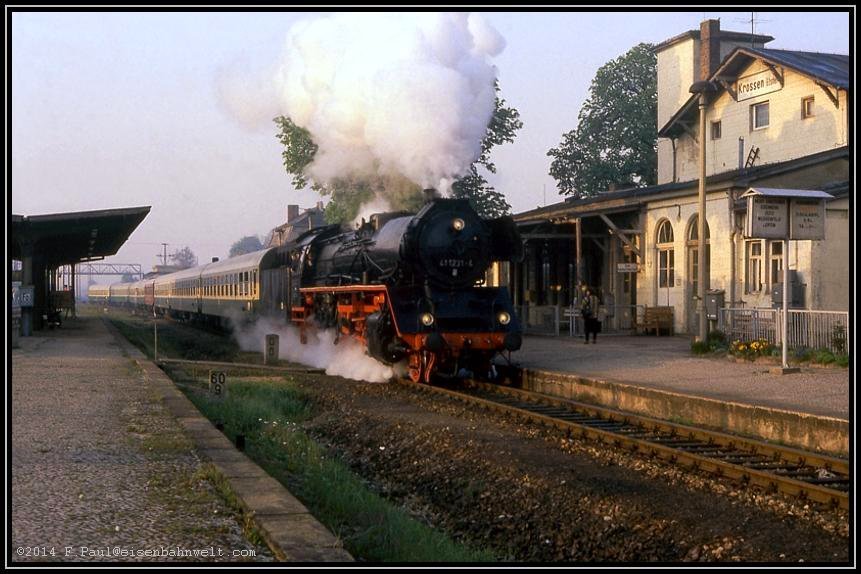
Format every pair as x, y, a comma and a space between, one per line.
107, 453
665, 363
100, 470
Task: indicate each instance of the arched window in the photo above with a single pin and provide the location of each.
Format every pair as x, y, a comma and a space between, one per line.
666, 255
694, 231
694, 254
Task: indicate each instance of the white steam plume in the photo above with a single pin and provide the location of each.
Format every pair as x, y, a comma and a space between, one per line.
377, 205
404, 95
346, 359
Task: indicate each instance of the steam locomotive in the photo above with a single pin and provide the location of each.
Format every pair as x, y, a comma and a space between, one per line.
409, 287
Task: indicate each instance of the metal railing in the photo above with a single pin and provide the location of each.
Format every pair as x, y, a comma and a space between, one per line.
819, 330
550, 319
806, 328
540, 319
749, 324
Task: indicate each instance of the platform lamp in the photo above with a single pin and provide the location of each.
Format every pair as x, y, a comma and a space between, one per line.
703, 88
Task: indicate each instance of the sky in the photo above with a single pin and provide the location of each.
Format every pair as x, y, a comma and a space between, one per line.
115, 110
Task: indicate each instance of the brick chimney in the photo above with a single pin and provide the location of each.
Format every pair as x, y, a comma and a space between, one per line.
292, 212
709, 48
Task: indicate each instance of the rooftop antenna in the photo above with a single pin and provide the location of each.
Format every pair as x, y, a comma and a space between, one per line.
753, 21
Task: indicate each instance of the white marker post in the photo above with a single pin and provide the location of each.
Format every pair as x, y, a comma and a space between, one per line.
785, 214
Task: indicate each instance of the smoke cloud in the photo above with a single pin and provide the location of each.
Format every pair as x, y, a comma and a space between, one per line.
346, 359
383, 95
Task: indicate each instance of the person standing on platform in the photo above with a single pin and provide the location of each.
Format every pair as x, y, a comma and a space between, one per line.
588, 310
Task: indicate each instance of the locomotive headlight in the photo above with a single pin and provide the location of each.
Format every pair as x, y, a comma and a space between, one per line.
427, 319
503, 317
458, 224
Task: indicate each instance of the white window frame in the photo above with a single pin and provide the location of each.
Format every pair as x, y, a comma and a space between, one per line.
753, 107
666, 256
775, 259
753, 267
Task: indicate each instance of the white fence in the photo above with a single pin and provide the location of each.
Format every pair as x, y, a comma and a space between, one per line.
806, 329
553, 319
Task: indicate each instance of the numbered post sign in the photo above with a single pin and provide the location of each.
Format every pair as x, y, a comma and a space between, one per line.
218, 384
270, 349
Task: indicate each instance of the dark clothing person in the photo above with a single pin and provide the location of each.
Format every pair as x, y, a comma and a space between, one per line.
590, 321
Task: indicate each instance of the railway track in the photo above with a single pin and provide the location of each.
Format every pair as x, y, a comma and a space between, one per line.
774, 468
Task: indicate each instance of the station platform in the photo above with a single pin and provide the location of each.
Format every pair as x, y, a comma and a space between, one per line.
104, 470
666, 363
658, 377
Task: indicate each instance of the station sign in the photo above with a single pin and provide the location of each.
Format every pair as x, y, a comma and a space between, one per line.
218, 384
767, 217
627, 267
22, 295
806, 219
785, 213
757, 84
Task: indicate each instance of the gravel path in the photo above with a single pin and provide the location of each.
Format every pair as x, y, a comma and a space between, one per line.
666, 363
100, 470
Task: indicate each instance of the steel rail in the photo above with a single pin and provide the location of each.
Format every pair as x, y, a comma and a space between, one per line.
775, 468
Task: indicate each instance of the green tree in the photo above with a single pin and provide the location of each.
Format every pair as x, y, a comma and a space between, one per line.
247, 244
184, 258
615, 141
348, 194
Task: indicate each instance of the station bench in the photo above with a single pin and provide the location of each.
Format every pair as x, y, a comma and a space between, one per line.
656, 318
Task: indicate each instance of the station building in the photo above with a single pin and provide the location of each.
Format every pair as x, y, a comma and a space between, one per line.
777, 119
296, 224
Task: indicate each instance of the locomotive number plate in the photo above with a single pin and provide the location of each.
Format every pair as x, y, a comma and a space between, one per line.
455, 263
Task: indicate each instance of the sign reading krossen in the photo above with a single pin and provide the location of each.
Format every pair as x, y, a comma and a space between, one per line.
756, 85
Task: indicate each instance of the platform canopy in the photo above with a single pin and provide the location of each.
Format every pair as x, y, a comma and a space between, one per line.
67, 238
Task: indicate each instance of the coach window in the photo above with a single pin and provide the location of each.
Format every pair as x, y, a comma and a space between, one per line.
666, 256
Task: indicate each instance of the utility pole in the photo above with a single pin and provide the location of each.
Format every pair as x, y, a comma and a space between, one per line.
703, 88
164, 257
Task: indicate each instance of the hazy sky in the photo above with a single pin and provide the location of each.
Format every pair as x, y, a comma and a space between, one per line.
121, 109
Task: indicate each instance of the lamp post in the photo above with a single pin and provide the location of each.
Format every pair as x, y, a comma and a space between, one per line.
703, 88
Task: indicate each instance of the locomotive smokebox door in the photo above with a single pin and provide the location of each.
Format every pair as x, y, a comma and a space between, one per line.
270, 349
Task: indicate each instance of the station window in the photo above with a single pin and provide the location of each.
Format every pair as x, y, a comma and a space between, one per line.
753, 280
759, 116
666, 255
716, 130
806, 107
776, 262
